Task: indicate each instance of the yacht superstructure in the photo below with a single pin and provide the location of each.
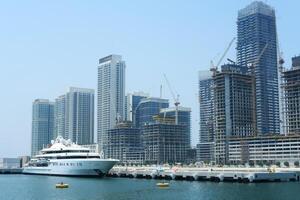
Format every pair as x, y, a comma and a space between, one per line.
64, 158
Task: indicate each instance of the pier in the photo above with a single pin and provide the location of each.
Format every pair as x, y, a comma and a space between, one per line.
11, 170
216, 174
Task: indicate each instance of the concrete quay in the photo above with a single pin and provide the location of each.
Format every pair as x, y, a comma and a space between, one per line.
11, 170
208, 174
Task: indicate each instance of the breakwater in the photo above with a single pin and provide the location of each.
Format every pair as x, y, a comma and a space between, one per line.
208, 174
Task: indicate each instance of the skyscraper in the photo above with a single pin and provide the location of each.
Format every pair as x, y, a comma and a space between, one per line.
256, 27
111, 94
131, 103
233, 107
42, 124
147, 109
60, 117
205, 148
74, 115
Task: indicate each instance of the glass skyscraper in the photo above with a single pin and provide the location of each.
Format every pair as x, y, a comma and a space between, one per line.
147, 109
111, 95
131, 103
42, 124
74, 115
256, 30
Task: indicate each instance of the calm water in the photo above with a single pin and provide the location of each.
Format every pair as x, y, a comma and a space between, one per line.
43, 187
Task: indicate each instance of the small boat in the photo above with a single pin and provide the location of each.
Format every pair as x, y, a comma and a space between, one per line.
162, 185
62, 185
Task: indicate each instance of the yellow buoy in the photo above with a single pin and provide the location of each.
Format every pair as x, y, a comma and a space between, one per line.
62, 185
162, 185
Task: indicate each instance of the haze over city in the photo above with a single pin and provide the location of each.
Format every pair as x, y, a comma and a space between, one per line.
48, 46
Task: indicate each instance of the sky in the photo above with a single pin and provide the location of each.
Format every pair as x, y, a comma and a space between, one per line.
48, 46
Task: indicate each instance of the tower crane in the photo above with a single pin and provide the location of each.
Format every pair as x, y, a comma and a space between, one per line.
175, 98
214, 68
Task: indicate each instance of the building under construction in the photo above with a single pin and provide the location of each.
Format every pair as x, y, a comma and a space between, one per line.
124, 143
165, 141
233, 107
291, 92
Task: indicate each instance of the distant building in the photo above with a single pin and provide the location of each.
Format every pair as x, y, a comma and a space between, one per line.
131, 103
10, 163
233, 107
111, 95
124, 143
60, 117
265, 149
165, 143
256, 28
291, 89
147, 109
191, 156
42, 124
205, 148
184, 117
74, 115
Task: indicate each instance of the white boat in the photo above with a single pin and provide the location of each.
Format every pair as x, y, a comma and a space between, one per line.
64, 158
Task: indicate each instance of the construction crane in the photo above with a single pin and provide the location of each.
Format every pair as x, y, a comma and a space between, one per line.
175, 98
214, 68
252, 67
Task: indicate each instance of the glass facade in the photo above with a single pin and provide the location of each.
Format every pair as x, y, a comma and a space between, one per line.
147, 109
256, 27
42, 124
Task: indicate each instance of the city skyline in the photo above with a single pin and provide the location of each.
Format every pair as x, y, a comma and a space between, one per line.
138, 71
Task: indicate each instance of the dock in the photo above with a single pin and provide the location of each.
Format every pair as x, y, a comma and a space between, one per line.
245, 175
11, 170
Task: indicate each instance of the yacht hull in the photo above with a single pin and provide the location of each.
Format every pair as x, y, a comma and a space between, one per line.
73, 167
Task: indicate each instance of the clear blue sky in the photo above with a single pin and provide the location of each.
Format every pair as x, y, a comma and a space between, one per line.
47, 46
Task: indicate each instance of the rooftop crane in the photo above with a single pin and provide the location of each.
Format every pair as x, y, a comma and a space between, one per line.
175, 98
214, 68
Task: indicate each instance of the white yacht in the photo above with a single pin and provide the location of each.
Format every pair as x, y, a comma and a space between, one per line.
64, 158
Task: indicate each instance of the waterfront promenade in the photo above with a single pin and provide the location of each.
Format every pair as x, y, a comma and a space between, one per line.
233, 174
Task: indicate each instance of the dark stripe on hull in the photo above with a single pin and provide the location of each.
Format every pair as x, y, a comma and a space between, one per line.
67, 175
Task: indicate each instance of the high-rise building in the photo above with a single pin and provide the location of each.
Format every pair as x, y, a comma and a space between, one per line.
291, 91
111, 94
147, 109
165, 143
184, 118
74, 115
60, 117
124, 143
131, 103
42, 124
205, 148
233, 107
256, 31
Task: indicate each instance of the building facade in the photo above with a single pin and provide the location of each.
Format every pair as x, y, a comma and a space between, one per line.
147, 109
256, 27
291, 91
131, 103
233, 107
265, 149
42, 124
165, 143
60, 117
184, 117
205, 148
124, 143
111, 94
74, 115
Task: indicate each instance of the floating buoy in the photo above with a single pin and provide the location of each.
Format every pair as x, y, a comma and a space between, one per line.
162, 185
62, 185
